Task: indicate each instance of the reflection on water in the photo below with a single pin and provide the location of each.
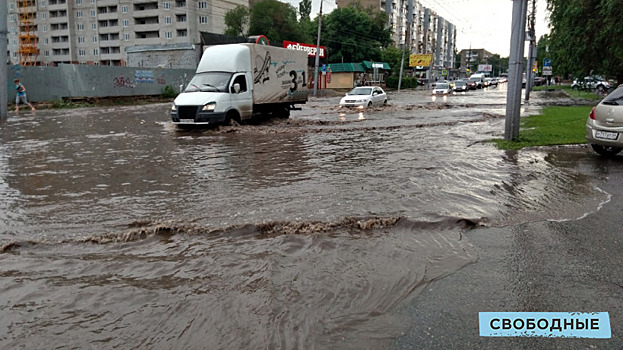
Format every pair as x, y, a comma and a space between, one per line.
117, 230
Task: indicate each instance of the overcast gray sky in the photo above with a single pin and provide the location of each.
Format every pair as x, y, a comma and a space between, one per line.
481, 24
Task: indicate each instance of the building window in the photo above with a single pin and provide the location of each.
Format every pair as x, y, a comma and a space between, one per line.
126, 37
79, 14
168, 35
42, 3
78, 2
80, 26
203, 4
47, 53
45, 41
45, 27
182, 33
96, 52
94, 39
203, 19
82, 52
126, 22
93, 26
167, 20
124, 8
166, 5
92, 13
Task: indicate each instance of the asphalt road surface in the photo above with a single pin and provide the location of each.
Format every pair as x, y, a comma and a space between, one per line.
544, 266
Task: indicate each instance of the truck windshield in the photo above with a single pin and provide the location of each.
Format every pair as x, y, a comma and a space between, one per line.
209, 82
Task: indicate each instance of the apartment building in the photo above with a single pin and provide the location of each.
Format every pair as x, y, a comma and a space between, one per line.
99, 32
417, 27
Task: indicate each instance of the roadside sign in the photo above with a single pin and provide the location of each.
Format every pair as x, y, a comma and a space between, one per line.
547, 70
444, 72
547, 62
421, 60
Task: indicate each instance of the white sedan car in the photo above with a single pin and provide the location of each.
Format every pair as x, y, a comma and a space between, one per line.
442, 89
364, 96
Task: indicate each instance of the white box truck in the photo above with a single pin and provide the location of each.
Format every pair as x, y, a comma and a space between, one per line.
236, 82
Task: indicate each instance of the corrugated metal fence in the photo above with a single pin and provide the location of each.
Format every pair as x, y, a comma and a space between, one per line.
71, 81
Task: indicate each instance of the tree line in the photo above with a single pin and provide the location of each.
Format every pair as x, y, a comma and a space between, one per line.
586, 36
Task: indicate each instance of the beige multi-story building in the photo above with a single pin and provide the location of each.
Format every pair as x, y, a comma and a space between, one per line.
101, 31
419, 28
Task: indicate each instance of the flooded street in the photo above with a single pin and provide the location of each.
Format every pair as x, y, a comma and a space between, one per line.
119, 231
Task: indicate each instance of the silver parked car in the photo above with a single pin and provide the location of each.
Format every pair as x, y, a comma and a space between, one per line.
604, 127
364, 96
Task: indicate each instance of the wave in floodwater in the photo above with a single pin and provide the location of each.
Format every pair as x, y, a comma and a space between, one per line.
117, 229
312, 285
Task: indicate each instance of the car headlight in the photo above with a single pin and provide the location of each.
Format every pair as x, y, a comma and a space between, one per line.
209, 106
173, 108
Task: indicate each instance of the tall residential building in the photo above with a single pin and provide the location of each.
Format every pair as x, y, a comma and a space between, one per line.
100, 31
419, 28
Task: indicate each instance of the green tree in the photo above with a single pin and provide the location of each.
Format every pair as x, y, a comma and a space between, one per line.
586, 37
305, 8
237, 21
393, 55
355, 33
276, 20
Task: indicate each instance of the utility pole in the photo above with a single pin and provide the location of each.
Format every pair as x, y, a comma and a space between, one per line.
4, 81
531, 50
407, 44
515, 70
317, 51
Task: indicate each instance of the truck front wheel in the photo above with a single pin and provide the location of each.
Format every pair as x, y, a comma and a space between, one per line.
232, 118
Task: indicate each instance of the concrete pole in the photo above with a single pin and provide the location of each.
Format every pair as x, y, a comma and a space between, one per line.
531, 51
515, 70
4, 80
317, 51
529, 80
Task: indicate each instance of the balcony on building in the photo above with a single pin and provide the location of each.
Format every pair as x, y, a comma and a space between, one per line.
146, 24
146, 9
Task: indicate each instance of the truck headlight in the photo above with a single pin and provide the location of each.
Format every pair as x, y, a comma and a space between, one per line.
209, 106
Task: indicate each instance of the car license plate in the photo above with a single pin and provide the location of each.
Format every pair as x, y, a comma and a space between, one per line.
187, 120
606, 135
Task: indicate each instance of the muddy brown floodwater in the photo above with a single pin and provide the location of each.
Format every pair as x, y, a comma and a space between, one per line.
119, 231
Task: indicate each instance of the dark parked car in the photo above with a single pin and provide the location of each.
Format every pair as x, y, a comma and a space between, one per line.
472, 84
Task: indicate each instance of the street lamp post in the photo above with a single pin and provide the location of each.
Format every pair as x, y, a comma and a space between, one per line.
317, 52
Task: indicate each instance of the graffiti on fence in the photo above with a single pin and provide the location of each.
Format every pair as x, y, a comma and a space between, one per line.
144, 76
123, 82
161, 80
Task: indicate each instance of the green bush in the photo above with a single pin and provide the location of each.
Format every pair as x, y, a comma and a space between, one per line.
168, 92
406, 83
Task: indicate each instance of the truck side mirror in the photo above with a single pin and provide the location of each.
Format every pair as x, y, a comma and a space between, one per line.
236, 88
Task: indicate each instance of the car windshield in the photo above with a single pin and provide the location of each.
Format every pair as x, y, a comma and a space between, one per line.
361, 91
209, 82
459, 83
614, 98
442, 86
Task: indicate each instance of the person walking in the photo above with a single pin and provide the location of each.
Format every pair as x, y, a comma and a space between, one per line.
21, 96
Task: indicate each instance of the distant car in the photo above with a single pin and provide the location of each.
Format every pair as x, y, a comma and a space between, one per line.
364, 96
479, 81
472, 84
591, 83
460, 86
442, 89
493, 82
604, 126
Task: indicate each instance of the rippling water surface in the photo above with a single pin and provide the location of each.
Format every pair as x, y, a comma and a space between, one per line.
118, 230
